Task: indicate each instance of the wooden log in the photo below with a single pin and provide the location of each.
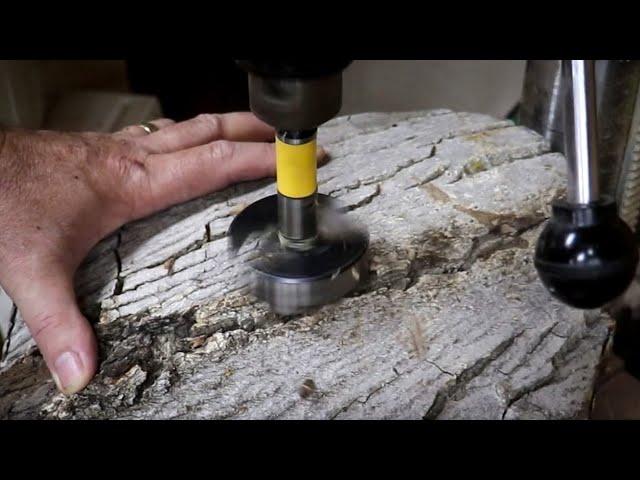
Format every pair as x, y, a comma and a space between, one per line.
453, 322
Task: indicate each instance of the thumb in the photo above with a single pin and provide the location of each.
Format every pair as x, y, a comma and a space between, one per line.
64, 337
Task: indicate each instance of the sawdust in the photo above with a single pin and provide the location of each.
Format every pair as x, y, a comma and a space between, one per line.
307, 388
197, 342
436, 193
236, 209
416, 337
475, 166
488, 219
169, 265
502, 223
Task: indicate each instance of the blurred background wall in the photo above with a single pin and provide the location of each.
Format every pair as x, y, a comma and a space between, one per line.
486, 86
107, 94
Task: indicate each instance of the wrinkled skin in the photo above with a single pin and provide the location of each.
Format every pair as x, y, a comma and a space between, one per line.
61, 193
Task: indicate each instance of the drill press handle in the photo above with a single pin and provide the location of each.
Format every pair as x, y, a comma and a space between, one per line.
586, 256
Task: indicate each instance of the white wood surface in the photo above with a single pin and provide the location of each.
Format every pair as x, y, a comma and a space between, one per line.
453, 323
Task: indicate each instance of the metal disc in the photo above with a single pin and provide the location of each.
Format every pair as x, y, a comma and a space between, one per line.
292, 281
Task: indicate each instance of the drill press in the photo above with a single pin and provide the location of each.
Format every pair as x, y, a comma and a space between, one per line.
310, 253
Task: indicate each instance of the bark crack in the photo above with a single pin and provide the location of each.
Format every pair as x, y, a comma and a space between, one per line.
546, 380
193, 246
430, 178
545, 333
542, 382
433, 144
367, 398
167, 262
365, 201
484, 246
400, 168
594, 391
431, 362
515, 158
12, 324
117, 290
462, 379
411, 119
348, 188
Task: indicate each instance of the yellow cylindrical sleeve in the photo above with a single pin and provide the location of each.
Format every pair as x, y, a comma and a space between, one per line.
296, 169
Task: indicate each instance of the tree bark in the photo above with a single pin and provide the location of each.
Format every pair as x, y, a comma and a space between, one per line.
453, 322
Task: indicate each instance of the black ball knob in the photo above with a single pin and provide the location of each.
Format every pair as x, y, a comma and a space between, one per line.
586, 255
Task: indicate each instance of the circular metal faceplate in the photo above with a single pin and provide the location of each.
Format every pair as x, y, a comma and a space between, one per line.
293, 281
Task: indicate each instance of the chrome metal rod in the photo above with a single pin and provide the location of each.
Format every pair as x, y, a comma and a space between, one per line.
297, 217
581, 131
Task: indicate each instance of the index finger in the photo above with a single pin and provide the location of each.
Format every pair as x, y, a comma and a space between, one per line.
207, 128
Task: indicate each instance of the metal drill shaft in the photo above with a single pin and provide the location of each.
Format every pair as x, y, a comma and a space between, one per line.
581, 131
297, 219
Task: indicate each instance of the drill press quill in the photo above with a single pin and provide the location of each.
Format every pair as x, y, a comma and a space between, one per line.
310, 253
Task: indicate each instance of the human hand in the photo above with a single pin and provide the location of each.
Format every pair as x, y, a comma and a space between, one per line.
61, 193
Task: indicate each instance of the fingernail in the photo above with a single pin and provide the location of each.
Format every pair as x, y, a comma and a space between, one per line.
68, 373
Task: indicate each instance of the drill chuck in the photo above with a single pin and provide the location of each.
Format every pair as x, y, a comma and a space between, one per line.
295, 95
295, 103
